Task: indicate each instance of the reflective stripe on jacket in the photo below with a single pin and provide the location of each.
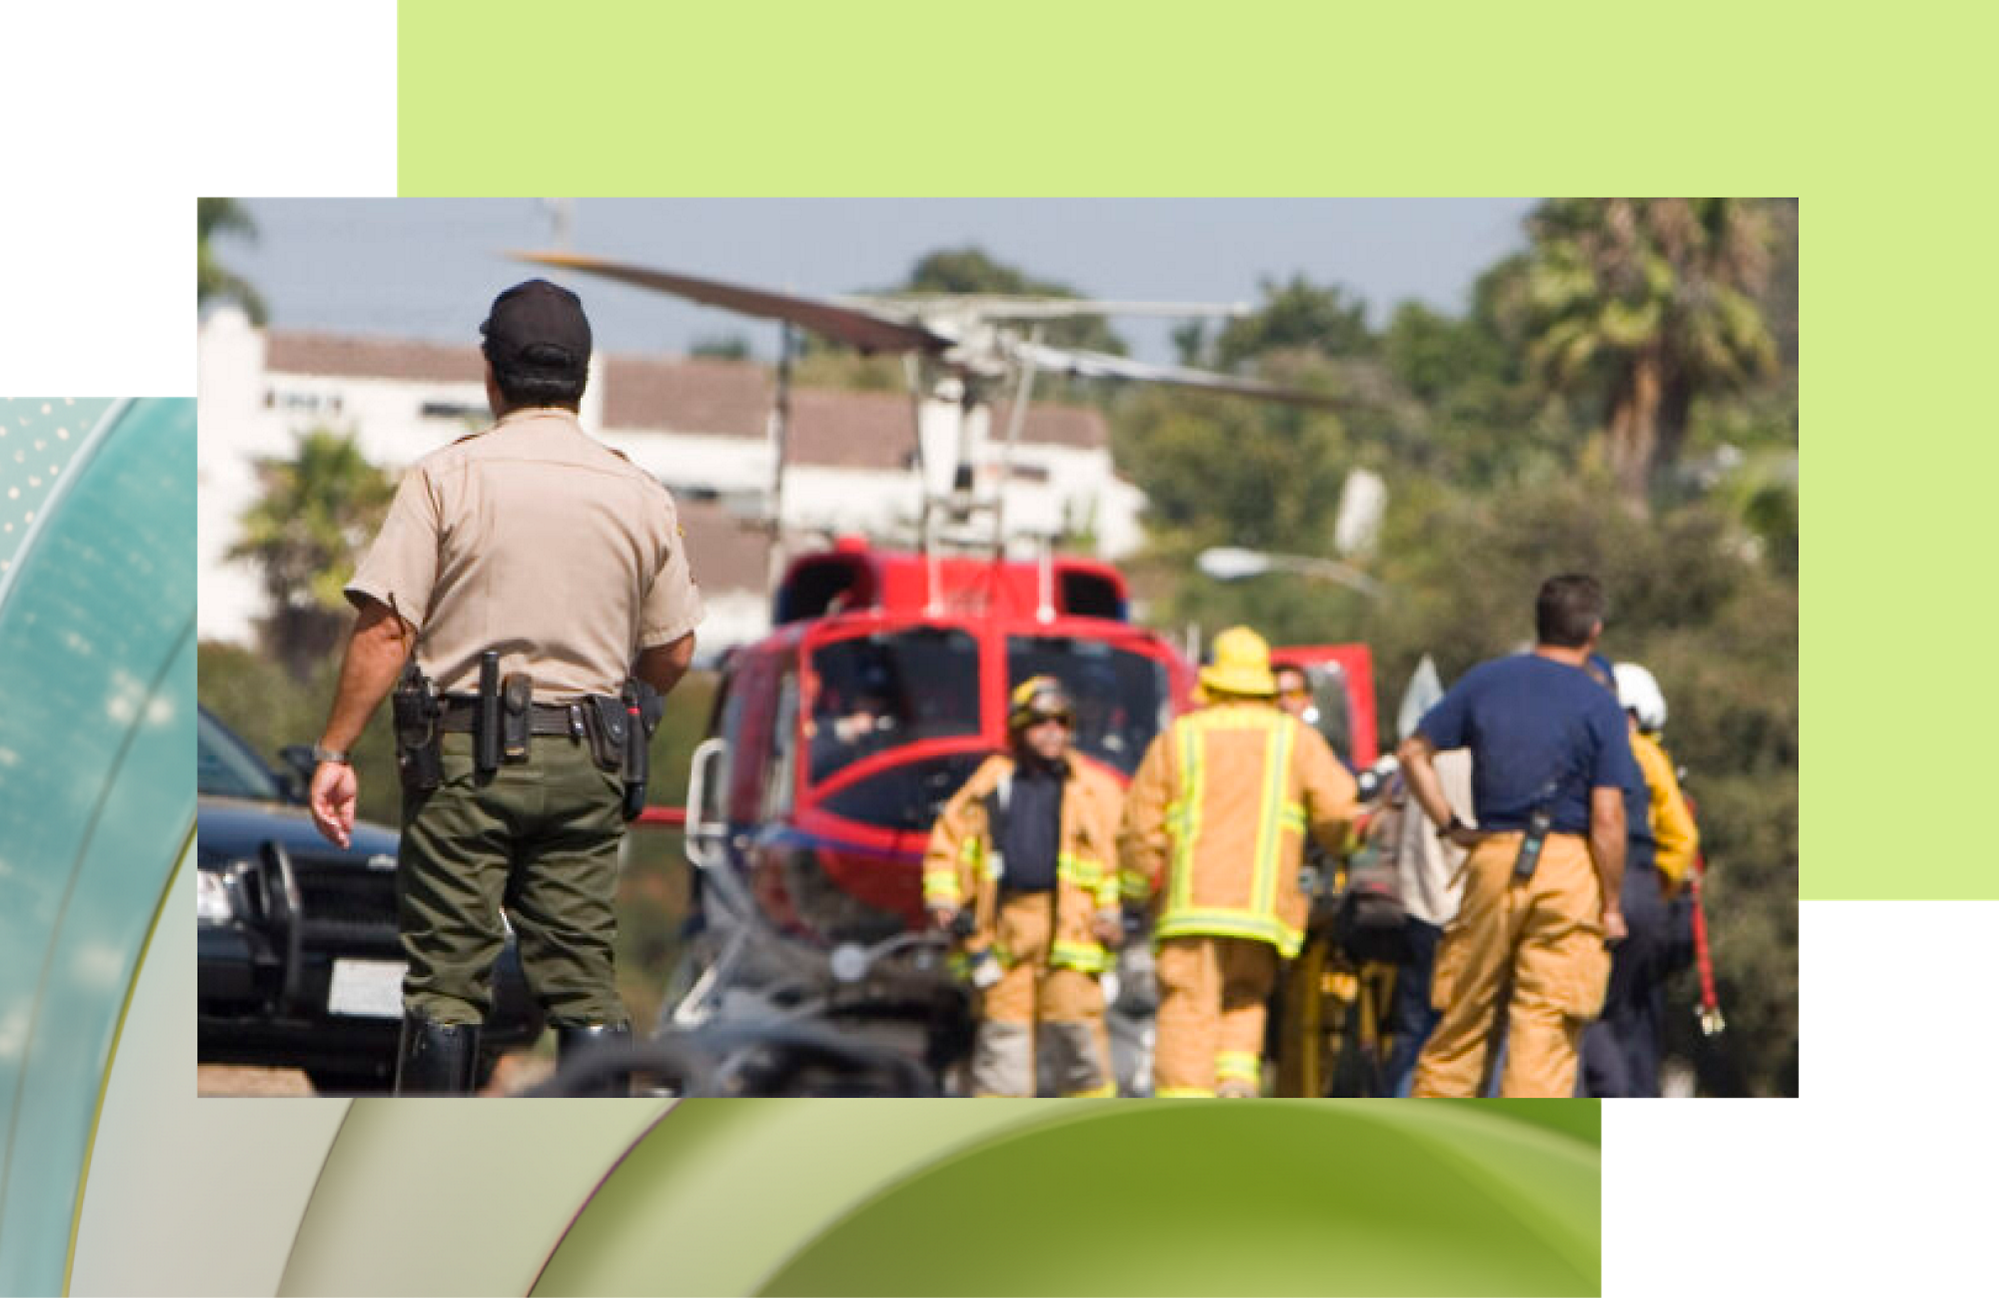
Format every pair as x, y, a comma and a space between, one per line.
957, 866
1215, 823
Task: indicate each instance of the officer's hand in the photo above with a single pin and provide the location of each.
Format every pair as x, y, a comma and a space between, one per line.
1613, 926
334, 790
943, 916
1108, 926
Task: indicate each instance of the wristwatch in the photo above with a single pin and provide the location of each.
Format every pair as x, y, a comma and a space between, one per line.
1453, 827
330, 755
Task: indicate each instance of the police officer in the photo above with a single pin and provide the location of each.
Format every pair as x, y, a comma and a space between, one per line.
1027, 844
1213, 835
534, 540
1550, 762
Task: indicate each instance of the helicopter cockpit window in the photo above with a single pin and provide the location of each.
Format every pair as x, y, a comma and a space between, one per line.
877, 691
783, 771
1329, 713
1121, 697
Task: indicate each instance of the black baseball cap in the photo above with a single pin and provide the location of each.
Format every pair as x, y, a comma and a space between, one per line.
539, 327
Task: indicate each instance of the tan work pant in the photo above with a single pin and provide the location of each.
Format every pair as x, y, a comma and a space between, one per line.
1034, 1007
1212, 992
1543, 940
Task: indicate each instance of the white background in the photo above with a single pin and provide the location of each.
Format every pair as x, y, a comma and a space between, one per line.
118, 116
115, 117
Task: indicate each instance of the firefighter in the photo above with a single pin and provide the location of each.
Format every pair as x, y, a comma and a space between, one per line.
1027, 844
1621, 1050
1550, 763
1672, 821
1213, 835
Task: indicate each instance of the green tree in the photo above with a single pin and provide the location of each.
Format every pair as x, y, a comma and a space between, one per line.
972, 270
1649, 303
1297, 314
725, 347
317, 510
214, 282
1223, 470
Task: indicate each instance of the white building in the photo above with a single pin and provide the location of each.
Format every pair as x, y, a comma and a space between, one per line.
700, 426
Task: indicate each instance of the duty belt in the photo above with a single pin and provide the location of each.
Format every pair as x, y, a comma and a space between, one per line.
543, 718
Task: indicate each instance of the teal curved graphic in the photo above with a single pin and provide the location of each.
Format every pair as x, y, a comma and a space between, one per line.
97, 665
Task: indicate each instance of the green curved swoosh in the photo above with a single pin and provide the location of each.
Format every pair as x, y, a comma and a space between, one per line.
1041, 1197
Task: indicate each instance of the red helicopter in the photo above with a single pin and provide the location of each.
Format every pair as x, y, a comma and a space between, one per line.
883, 684
836, 739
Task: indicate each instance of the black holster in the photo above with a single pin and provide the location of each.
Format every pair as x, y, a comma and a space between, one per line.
1539, 821
643, 710
419, 756
605, 724
486, 720
516, 716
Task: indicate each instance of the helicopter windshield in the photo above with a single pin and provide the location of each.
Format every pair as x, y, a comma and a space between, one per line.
877, 691
1121, 697
1329, 713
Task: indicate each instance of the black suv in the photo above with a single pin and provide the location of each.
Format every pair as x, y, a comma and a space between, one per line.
300, 966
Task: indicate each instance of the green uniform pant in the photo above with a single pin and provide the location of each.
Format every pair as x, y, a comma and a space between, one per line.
540, 838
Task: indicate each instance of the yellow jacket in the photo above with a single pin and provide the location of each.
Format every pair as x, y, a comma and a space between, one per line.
957, 866
1216, 817
1672, 824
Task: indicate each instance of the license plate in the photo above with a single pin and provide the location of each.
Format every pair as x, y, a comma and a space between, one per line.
370, 989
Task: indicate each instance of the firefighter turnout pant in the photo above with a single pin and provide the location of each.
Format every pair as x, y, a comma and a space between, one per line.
1039, 1012
1523, 958
1212, 992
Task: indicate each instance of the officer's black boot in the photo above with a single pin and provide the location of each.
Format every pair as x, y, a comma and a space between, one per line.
437, 1058
572, 1044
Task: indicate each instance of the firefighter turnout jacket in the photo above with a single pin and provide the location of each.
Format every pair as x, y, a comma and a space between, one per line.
1216, 818
962, 867
1672, 824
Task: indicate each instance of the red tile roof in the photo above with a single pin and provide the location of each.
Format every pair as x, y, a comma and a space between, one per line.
1053, 425
723, 551
836, 428
852, 430
698, 395
288, 352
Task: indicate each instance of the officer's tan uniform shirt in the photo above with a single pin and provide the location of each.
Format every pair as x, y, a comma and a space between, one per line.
535, 539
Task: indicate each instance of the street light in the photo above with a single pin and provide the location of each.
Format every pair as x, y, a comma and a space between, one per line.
1229, 563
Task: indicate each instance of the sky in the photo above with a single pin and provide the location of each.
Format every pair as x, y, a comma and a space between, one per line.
427, 268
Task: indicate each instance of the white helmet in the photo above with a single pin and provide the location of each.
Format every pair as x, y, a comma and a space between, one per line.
1639, 693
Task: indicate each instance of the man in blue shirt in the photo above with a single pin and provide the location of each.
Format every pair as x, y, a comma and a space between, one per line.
1551, 759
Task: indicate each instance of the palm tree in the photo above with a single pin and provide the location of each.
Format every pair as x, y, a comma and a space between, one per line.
317, 511
1656, 299
214, 281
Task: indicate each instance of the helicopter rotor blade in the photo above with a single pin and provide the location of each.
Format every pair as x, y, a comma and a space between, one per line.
1102, 365
994, 306
857, 327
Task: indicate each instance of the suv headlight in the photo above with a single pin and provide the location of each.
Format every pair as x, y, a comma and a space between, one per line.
212, 904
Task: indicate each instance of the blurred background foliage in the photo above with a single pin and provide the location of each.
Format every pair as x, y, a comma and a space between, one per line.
1621, 397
